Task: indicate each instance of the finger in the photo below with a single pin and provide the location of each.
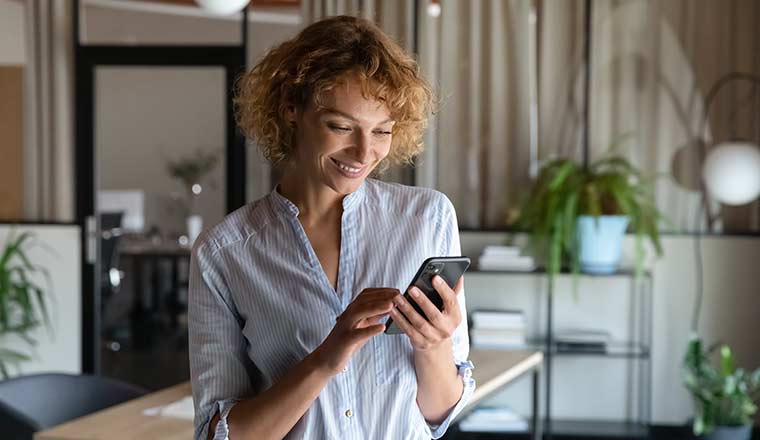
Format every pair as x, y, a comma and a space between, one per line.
459, 286
434, 315
373, 319
365, 333
448, 296
374, 293
356, 314
405, 326
371, 295
414, 318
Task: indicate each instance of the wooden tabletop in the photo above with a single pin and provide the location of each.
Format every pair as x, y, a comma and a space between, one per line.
145, 248
493, 370
127, 421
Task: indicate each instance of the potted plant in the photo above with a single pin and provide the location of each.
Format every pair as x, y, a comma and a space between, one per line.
724, 397
22, 301
577, 216
190, 171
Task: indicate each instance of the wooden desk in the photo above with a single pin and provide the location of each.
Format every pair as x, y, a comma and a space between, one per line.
127, 421
144, 253
493, 370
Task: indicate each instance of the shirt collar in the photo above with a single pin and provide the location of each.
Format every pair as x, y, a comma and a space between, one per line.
285, 206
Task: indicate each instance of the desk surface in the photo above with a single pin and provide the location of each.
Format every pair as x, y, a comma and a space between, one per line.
147, 248
127, 421
493, 370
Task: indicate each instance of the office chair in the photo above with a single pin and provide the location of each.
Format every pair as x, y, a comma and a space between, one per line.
40, 401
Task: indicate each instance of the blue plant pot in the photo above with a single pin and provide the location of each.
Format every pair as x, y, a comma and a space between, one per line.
730, 433
601, 242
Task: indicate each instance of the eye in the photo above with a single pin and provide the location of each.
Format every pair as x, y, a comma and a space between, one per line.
382, 133
338, 128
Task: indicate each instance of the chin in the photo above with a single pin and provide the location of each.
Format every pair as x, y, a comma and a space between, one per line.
345, 187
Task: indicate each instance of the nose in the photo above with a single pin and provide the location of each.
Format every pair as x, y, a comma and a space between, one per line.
363, 147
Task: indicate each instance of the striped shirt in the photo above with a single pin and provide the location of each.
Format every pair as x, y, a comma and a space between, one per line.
259, 302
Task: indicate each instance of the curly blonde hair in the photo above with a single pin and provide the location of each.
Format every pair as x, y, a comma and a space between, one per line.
324, 55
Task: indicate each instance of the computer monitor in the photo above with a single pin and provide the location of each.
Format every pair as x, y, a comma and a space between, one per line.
130, 202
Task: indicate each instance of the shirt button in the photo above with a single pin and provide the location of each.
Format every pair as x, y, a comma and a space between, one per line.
349, 413
345, 369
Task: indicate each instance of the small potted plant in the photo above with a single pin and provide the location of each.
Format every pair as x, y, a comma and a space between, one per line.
190, 172
725, 398
22, 302
577, 216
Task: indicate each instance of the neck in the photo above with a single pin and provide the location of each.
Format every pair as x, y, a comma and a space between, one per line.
314, 201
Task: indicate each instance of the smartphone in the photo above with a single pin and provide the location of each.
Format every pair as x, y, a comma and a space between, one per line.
449, 268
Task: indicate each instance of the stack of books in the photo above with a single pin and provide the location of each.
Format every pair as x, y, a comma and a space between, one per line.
493, 419
582, 340
497, 329
505, 258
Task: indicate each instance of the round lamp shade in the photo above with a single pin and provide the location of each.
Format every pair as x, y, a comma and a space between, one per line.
732, 172
222, 7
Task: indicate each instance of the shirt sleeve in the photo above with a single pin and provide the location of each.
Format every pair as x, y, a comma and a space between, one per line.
460, 341
220, 368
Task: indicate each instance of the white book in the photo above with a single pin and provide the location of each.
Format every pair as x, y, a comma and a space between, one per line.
497, 320
514, 259
525, 264
582, 336
510, 251
509, 332
497, 341
493, 419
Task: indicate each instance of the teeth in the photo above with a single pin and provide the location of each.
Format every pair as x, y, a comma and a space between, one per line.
347, 168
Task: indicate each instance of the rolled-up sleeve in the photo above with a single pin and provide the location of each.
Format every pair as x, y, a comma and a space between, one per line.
220, 368
450, 246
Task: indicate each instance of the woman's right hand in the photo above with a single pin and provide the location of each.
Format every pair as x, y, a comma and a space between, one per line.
354, 327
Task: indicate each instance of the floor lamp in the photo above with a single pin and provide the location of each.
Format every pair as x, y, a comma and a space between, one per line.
730, 173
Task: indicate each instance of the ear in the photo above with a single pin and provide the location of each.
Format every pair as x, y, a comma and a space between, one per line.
290, 114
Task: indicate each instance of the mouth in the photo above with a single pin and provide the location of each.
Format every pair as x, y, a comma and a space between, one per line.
350, 171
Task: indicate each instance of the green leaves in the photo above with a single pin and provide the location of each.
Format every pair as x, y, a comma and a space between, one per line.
22, 302
722, 397
564, 190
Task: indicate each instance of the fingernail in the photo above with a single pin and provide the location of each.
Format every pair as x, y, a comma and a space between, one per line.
415, 292
437, 280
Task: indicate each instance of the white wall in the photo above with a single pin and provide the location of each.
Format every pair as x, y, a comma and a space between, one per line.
12, 37
598, 388
147, 116
59, 348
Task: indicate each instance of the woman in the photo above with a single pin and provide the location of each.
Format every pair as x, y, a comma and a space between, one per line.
288, 294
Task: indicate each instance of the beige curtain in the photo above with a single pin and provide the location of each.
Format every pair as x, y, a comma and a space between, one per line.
483, 131
652, 64
49, 146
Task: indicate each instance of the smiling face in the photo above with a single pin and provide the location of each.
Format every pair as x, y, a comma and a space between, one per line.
339, 145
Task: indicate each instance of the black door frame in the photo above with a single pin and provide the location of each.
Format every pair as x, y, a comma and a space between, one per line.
86, 59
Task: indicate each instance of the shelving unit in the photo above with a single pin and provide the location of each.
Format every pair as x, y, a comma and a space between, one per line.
637, 350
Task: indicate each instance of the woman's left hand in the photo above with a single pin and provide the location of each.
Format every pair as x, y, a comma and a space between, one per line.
429, 334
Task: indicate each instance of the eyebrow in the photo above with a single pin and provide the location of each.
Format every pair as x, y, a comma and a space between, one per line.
347, 116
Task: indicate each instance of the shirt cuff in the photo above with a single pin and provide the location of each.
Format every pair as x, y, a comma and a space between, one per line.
223, 407
465, 372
